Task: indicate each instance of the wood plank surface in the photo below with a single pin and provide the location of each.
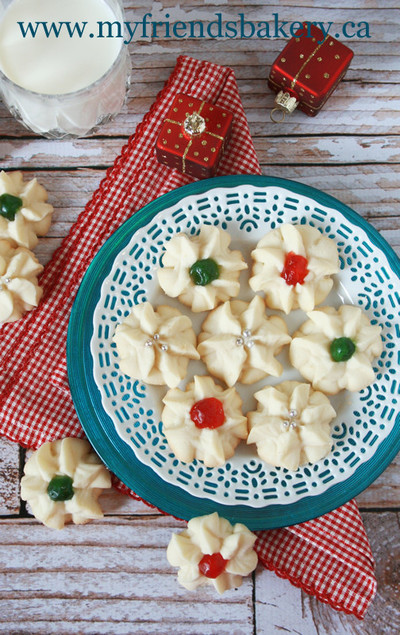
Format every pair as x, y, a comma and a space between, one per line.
96, 153
112, 576
9, 478
112, 571
355, 108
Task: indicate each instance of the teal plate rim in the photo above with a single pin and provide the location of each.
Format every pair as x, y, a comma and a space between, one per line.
120, 458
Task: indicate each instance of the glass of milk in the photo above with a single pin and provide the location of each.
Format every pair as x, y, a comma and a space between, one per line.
63, 81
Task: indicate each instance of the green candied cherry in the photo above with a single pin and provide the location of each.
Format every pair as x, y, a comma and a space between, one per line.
60, 488
341, 349
9, 206
204, 271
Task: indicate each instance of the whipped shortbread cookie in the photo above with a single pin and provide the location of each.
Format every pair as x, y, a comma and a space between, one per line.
334, 349
19, 289
203, 422
62, 481
293, 265
201, 271
291, 425
238, 342
155, 345
212, 552
24, 212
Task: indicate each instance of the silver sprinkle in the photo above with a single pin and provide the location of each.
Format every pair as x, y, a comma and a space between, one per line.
148, 343
292, 413
247, 333
164, 347
156, 336
239, 341
286, 424
250, 344
293, 424
7, 280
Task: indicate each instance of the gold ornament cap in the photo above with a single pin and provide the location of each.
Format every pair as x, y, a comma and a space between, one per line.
285, 104
194, 124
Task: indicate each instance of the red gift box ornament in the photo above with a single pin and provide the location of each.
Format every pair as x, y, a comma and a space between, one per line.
307, 72
194, 136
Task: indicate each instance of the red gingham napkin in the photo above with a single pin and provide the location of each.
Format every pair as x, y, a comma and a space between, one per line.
328, 557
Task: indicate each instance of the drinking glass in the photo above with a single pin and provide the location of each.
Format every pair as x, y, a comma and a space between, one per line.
71, 114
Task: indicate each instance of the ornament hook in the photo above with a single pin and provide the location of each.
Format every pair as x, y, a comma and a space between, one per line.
274, 117
285, 103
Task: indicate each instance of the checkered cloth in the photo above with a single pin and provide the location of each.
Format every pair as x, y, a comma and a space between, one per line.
328, 557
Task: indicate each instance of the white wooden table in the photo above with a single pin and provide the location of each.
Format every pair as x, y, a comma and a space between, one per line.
112, 576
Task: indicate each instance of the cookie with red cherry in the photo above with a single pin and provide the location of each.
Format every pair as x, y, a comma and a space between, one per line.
293, 265
203, 422
211, 551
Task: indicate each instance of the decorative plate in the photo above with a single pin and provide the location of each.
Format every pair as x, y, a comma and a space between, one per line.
121, 416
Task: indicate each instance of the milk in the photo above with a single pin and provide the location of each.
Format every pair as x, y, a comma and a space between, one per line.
53, 68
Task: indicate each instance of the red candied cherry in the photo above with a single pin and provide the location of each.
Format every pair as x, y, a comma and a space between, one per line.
295, 269
208, 413
212, 565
